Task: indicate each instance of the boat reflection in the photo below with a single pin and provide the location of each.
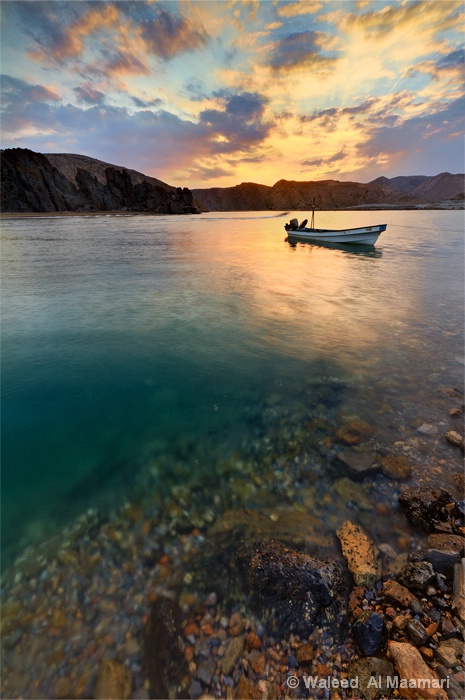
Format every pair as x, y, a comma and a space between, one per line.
364, 250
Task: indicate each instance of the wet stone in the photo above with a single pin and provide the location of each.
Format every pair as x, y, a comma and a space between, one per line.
416, 632
372, 667
369, 632
450, 653
396, 466
164, 661
113, 681
205, 671
358, 464
232, 654
425, 507
416, 575
454, 543
360, 553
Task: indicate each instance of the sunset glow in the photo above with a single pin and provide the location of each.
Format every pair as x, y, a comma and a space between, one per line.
214, 93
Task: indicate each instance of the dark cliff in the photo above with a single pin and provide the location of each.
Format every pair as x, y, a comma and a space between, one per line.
33, 182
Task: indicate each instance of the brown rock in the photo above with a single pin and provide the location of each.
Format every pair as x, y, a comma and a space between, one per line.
355, 432
305, 654
361, 554
411, 668
253, 641
232, 654
454, 543
458, 601
359, 464
398, 593
246, 690
113, 681
396, 466
450, 653
454, 438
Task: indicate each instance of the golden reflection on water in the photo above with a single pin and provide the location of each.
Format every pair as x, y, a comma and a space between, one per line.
308, 300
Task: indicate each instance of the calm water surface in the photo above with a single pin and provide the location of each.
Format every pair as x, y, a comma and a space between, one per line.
136, 345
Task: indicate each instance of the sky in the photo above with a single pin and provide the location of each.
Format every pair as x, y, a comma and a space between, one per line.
212, 93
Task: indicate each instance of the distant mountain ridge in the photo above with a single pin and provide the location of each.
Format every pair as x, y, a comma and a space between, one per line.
33, 182
333, 194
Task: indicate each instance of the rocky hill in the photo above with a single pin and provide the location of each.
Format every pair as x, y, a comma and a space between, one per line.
426, 189
33, 182
290, 194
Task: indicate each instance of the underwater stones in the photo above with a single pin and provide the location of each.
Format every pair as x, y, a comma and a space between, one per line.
293, 591
355, 432
164, 661
425, 506
454, 438
369, 632
113, 681
372, 667
232, 654
410, 665
284, 524
361, 554
352, 492
358, 464
396, 466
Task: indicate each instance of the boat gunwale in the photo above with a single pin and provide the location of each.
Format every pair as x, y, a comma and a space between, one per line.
362, 229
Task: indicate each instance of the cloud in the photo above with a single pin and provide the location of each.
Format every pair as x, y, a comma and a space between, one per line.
415, 133
88, 94
18, 92
240, 123
324, 161
302, 50
143, 104
168, 35
301, 7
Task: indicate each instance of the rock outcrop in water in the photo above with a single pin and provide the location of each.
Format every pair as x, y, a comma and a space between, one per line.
33, 182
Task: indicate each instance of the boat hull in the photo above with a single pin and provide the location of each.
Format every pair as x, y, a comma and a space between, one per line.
366, 235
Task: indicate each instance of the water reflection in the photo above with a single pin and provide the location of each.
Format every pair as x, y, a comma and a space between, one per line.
366, 251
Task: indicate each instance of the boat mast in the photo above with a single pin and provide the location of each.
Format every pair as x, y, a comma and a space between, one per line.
312, 221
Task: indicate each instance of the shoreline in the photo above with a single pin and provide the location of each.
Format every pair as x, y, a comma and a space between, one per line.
121, 213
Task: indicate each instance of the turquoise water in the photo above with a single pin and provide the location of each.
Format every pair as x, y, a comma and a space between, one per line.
132, 344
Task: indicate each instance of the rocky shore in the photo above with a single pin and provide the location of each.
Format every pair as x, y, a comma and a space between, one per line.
265, 581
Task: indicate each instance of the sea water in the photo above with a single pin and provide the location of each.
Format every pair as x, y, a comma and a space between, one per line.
138, 343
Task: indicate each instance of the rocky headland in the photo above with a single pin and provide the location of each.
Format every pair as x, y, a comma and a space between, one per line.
33, 182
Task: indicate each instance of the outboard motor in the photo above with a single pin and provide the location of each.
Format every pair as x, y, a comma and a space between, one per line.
293, 225
304, 223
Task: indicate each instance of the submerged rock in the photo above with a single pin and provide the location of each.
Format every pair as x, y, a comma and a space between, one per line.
113, 681
355, 432
164, 661
425, 507
293, 591
369, 668
361, 554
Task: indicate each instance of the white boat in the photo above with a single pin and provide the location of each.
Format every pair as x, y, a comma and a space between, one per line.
366, 235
